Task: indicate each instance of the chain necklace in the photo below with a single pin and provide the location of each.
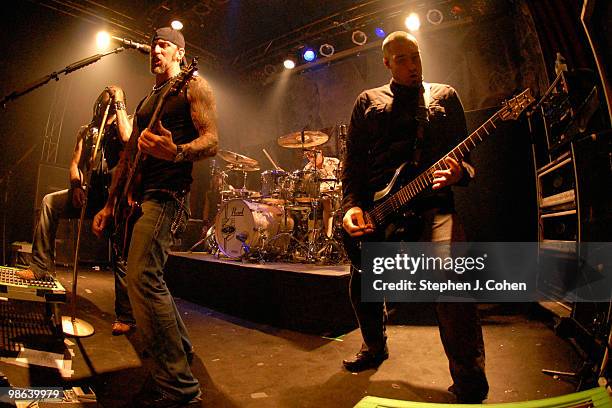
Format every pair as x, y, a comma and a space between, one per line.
160, 86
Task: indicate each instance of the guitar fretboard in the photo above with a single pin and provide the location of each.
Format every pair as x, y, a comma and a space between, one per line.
425, 179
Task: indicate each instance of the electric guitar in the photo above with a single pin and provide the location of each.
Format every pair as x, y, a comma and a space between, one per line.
127, 206
396, 195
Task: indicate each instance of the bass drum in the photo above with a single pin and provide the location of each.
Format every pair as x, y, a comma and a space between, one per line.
242, 224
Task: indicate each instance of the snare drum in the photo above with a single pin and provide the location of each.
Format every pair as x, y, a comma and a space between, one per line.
241, 224
304, 186
234, 193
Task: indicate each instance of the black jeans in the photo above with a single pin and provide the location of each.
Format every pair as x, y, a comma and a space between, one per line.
459, 323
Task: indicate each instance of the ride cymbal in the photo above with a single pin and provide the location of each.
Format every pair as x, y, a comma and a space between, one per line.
311, 138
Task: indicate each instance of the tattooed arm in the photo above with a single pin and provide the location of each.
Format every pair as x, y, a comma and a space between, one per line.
204, 117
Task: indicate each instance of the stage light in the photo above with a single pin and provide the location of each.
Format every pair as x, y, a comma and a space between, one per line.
103, 40
289, 63
380, 33
309, 55
359, 37
177, 25
435, 16
327, 50
413, 22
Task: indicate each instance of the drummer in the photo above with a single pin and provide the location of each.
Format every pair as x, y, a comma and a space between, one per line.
326, 168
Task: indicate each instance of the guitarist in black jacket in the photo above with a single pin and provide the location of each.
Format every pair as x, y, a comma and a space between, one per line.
185, 132
411, 121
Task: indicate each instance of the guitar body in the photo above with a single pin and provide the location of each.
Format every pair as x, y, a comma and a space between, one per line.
390, 203
402, 175
126, 215
352, 246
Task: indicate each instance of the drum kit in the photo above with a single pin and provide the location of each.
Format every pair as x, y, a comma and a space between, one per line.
284, 221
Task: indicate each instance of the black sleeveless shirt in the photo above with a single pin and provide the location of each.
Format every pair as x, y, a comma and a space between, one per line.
110, 148
176, 117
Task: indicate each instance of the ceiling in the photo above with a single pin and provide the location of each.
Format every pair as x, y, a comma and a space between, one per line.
222, 30
245, 35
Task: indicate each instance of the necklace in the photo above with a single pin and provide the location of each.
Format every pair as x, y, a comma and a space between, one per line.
160, 86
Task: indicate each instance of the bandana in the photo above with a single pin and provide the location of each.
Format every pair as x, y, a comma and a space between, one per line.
169, 34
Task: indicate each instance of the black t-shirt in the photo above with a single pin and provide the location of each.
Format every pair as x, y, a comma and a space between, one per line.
176, 117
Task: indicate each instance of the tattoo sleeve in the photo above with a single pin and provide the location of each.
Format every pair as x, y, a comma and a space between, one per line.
204, 117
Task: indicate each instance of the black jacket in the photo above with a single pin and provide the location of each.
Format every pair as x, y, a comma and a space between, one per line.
382, 135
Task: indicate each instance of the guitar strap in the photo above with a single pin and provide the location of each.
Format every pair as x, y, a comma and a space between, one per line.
422, 118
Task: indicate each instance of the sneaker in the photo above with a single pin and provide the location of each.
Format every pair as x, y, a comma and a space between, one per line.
120, 328
29, 275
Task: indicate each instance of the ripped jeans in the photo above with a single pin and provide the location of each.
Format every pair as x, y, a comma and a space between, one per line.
162, 330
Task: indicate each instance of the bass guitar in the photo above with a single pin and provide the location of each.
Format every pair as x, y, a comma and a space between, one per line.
397, 194
127, 206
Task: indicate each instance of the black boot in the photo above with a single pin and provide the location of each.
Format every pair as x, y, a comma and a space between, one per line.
365, 360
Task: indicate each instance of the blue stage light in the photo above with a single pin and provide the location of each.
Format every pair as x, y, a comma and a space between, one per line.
380, 33
309, 55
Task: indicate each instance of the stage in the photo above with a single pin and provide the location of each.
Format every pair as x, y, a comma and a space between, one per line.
303, 297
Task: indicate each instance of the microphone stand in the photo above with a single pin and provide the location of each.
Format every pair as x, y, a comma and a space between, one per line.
55, 75
71, 325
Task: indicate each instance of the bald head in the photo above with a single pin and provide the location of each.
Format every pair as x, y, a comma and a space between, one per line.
402, 57
397, 37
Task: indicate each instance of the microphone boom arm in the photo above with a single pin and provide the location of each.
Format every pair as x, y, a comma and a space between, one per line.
55, 75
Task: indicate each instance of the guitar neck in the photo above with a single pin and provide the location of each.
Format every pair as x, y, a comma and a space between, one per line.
404, 195
138, 157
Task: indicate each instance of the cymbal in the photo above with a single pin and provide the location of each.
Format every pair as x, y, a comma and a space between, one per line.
235, 158
241, 167
312, 138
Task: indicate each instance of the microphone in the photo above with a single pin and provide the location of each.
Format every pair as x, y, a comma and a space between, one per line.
242, 237
144, 48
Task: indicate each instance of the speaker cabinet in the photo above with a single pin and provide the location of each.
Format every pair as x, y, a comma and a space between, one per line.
92, 249
51, 178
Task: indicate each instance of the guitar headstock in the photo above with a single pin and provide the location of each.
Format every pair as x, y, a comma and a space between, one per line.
185, 75
513, 108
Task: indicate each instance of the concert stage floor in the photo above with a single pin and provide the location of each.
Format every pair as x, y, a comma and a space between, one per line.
243, 363
303, 297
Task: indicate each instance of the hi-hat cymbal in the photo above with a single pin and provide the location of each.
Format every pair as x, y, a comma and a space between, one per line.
294, 140
239, 159
241, 167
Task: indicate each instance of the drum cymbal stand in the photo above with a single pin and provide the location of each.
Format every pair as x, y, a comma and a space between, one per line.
330, 249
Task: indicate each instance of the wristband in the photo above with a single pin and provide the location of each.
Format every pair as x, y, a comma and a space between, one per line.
119, 105
75, 184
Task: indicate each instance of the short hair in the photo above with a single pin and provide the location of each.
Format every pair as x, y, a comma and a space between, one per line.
397, 35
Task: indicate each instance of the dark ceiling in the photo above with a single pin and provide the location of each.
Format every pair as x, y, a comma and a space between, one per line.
223, 30
243, 35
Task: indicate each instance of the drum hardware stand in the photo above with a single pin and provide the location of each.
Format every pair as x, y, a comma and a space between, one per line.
71, 325
204, 240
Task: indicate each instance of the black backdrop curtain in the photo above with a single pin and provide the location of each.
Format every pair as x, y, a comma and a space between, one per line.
560, 30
